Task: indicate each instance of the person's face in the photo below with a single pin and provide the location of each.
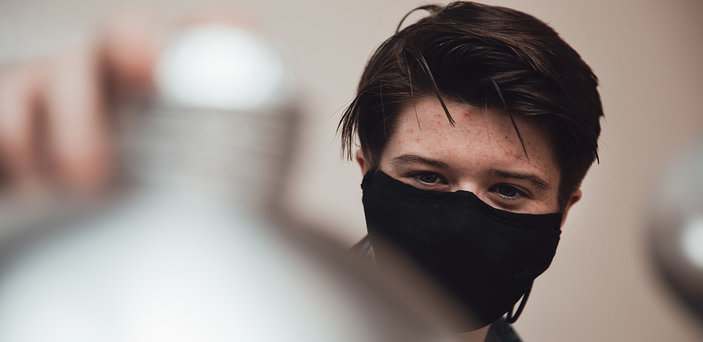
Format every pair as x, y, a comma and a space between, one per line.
481, 154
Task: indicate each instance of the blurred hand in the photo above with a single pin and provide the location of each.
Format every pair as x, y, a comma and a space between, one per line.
54, 112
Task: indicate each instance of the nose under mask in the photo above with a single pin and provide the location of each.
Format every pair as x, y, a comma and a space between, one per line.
484, 258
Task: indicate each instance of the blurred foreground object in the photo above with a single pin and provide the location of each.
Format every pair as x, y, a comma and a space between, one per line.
676, 237
221, 66
188, 248
223, 122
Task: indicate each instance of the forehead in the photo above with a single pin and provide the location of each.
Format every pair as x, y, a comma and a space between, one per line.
481, 138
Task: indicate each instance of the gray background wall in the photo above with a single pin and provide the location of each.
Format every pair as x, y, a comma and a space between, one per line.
647, 55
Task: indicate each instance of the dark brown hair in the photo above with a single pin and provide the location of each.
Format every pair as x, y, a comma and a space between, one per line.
486, 56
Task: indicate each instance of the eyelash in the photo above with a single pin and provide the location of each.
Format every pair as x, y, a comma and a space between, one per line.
416, 175
519, 193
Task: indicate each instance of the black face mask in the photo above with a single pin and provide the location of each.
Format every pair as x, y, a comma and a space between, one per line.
485, 258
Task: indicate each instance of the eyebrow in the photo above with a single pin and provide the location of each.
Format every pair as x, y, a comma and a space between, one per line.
407, 159
532, 178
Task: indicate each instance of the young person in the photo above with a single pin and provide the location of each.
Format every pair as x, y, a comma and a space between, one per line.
476, 126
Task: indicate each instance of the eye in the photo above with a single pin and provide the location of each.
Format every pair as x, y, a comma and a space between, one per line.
508, 191
427, 178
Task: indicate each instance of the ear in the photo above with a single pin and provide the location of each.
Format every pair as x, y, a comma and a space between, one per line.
362, 161
575, 197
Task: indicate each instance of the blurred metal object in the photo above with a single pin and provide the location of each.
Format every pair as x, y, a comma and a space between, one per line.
189, 250
181, 268
223, 121
224, 67
676, 234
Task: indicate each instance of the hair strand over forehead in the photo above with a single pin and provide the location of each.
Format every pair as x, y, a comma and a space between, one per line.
510, 115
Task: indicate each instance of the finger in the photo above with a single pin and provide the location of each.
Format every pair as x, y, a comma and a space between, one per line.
128, 49
78, 91
18, 128
78, 137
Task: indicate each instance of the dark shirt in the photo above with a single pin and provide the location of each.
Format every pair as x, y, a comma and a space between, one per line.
500, 330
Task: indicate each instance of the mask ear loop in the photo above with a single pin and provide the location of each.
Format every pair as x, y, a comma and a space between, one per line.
510, 318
